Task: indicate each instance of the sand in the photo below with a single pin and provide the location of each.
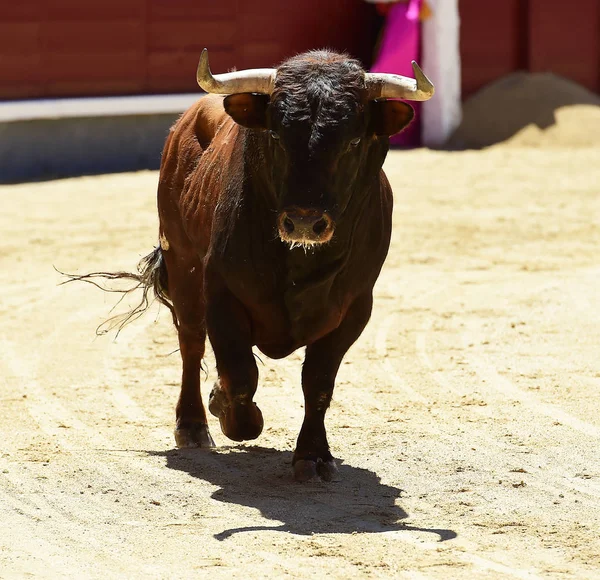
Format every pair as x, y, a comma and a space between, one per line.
466, 419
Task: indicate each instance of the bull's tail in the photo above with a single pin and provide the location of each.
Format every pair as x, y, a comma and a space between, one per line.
151, 278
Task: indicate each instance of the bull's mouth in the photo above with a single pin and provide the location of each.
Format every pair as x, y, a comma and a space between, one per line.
305, 228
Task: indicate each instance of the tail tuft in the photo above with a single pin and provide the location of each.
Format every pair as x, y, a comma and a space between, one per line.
151, 276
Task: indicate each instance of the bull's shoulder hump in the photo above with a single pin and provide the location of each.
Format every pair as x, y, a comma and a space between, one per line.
209, 116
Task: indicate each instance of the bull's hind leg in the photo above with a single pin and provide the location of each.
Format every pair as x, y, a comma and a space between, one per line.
321, 363
231, 401
186, 292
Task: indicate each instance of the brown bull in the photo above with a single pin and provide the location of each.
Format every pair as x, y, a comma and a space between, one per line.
275, 221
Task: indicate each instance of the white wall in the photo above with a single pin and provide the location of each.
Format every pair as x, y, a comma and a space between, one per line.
441, 63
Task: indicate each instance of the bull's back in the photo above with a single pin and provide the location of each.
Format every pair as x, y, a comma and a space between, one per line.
189, 137
191, 163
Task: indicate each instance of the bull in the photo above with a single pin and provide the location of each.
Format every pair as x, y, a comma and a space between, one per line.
275, 220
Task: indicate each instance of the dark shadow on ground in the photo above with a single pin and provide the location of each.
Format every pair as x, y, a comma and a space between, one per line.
531, 98
261, 478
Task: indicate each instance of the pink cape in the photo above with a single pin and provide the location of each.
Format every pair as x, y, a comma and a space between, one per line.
400, 44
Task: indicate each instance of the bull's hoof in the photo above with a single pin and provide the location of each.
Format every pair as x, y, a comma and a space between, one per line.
196, 435
217, 401
307, 470
240, 420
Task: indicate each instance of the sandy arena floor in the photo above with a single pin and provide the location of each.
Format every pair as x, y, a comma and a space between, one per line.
466, 418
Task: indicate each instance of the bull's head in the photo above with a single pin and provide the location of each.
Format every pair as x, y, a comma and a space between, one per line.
324, 126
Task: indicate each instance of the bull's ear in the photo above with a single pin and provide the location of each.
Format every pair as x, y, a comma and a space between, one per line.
389, 117
248, 109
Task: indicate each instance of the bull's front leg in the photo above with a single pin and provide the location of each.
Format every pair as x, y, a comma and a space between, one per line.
322, 361
229, 331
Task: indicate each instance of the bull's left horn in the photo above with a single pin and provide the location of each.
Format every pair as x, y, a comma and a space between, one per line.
256, 80
390, 86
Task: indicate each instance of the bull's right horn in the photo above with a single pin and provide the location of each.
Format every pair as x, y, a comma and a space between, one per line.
390, 86
256, 80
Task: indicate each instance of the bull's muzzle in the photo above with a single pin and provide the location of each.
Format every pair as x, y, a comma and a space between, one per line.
305, 227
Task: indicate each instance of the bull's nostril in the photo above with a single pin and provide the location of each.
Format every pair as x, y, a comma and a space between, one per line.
320, 226
288, 225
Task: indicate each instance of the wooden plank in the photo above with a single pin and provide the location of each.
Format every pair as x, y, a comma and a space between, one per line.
191, 35
24, 69
352, 32
94, 88
15, 90
19, 37
161, 10
252, 26
83, 36
172, 72
565, 40
90, 67
30, 10
491, 41
90, 11
267, 9
342, 25
262, 54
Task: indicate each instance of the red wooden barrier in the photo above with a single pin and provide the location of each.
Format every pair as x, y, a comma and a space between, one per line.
564, 39
51, 48
501, 36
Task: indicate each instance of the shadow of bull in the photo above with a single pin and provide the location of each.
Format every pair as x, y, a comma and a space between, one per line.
261, 478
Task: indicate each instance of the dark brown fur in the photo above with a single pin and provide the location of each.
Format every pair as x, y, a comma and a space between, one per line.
317, 146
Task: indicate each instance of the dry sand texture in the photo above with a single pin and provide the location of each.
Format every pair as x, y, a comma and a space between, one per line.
466, 417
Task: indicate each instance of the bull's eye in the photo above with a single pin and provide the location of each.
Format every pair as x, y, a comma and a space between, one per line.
274, 135
355, 142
